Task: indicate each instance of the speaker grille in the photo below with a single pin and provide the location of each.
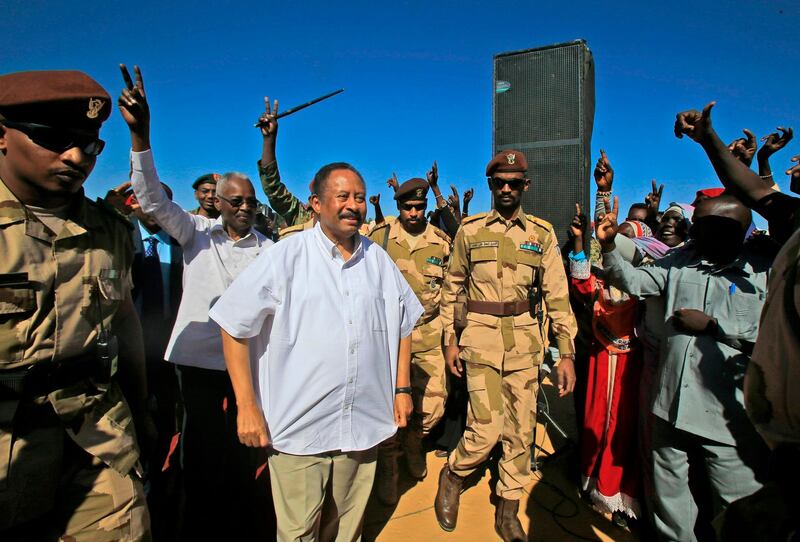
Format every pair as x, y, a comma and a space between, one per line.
547, 113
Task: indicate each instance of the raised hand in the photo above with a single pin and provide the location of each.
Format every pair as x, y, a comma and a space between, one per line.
603, 173
744, 148
775, 142
433, 175
393, 183
454, 199
607, 228
579, 222
653, 199
468, 194
375, 200
268, 122
695, 124
132, 101
794, 175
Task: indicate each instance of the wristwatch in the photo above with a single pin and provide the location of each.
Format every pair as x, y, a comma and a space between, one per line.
402, 390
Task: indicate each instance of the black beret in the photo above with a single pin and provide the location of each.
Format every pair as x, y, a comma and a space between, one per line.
507, 161
416, 189
63, 99
211, 178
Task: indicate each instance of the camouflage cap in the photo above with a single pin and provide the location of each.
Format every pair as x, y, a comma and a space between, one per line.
208, 178
416, 189
63, 99
507, 161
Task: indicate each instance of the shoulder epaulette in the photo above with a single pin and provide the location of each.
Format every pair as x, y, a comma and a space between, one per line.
472, 218
291, 229
110, 210
540, 222
377, 227
442, 234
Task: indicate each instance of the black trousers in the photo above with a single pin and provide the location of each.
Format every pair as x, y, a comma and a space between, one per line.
223, 497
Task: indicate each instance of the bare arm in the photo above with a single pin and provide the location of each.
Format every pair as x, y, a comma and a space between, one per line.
250, 421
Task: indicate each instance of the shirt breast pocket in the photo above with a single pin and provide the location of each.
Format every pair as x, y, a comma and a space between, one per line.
17, 296
483, 264
528, 263
373, 308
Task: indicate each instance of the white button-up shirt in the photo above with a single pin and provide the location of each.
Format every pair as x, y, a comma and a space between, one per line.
211, 260
327, 332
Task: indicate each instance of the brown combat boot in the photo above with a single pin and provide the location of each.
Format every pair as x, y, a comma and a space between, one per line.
447, 498
506, 522
415, 454
386, 474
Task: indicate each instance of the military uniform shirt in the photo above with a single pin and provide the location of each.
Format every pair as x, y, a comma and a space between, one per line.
498, 260
423, 267
280, 199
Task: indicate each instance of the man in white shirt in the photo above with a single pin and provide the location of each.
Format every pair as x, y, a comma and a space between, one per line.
217, 469
331, 317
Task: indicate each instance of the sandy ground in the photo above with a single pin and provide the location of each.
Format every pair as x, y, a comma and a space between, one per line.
552, 509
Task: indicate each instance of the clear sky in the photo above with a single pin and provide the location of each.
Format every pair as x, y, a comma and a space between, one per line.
418, 80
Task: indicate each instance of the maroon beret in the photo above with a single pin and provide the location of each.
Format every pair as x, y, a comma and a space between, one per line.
507, 161
416, 189
64, 99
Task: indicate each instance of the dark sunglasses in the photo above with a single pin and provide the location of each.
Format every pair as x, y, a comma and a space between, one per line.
239, 202
513, 184
418, 206
56, 139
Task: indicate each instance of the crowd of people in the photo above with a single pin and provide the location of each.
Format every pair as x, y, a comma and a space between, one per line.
242, 371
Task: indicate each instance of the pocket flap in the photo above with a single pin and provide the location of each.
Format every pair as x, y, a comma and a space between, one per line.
16, 300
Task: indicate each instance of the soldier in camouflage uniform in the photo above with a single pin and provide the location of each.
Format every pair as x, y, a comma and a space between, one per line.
286, 204
510, 265
421, 251
68, 453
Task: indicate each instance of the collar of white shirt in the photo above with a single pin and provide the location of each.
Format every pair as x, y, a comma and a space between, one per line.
217, 228
329, 247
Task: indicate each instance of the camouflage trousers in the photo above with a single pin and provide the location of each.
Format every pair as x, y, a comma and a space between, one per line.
51, 489
502, 408
429, 385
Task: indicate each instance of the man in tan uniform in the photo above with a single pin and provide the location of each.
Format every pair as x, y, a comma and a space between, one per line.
68, 453
420, 250
510, 265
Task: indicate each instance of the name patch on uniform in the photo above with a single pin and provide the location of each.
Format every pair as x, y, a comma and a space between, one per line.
532, 247
435, 261
481, 244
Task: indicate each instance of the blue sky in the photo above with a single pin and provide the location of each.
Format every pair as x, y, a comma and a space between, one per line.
418, 79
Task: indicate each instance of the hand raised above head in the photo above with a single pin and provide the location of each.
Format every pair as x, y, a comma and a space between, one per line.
132, 101
653, 199
579, 222
468, 195
695, 124
375, 200
433, 175
744, 148
775, 141
393, 183
607, 228
603, 173
268, 121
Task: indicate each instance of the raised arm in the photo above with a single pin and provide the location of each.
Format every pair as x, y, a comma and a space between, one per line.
604, 181
468, 194
772, 144
642, 281
376, 202
144, 179
282, 201
733, 174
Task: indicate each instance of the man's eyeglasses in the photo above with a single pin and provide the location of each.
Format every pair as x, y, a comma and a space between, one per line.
418, 206
240, 202
513, 184
57, 139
